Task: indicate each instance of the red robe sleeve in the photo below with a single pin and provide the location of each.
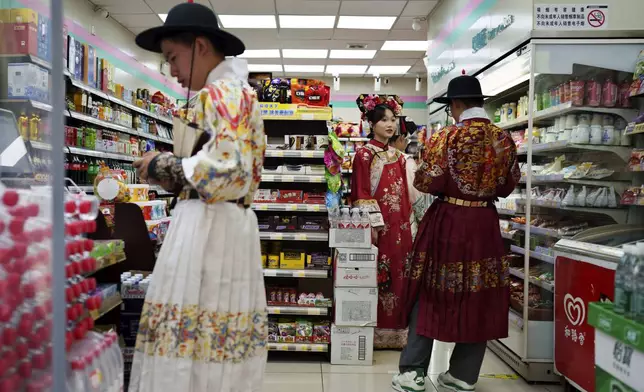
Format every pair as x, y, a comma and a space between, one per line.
361, 186
431, 174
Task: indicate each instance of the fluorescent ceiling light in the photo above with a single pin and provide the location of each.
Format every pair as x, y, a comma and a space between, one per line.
163, 16
352, 54
389, 69
261, 53
304, 68
248, 21
304, 53
306, 22
420, 46
346, 69
265, 68
366, 22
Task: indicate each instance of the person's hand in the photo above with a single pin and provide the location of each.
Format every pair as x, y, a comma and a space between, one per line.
141, 165
374, 236
165, 184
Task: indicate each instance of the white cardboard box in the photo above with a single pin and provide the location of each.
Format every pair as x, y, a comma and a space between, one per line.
350, 238
357, 258
356, 306
351, 345
356, 277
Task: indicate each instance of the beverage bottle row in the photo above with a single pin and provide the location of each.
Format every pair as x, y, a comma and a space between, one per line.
346, 218
83, 170
96, 364
629, 283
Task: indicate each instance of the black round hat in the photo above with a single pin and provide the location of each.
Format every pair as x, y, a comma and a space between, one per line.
191, 18
462, 87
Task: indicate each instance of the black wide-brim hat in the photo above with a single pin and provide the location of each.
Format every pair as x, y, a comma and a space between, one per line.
191, 18
462, 87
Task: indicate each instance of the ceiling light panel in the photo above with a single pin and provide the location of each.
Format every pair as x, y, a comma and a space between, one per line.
265, 68
389, 69
248, 21
261, 54
305, 53
304, 68
410, 46
306, 22
366, 22
346, 69
352, 54
163, 17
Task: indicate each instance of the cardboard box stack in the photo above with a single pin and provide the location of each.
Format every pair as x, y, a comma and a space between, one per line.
356, 296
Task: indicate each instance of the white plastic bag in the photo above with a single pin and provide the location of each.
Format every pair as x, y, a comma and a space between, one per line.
580, 199
612, 199
569, 199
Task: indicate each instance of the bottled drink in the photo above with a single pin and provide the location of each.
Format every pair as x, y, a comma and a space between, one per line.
356, 219
624, 280
345, 219
366, 219
637, 304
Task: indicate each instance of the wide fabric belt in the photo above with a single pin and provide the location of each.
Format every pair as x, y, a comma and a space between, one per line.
464, 203
192, 194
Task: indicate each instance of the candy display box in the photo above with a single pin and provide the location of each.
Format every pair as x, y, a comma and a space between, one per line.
356, 306
352, 345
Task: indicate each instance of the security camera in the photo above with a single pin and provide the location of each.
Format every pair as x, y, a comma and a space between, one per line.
386, 80
416, 24
102, 12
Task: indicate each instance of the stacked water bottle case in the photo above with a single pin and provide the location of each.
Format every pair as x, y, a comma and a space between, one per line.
355, 287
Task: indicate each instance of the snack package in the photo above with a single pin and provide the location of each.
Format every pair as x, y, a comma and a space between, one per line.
612, 200
569, 199
309, 92
321, 332
592, 196
287, 331
273, 331
304, 332
602, 199
580, 199
276, 90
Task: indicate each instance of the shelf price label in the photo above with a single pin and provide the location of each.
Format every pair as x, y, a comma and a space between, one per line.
278, 153
299, 274
277, 236
276, 311
288, 178
300, 237
307, 154
261, 207
314, 312
291, 207
315, 208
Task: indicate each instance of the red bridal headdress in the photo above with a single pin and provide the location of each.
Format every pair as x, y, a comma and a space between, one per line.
367, 102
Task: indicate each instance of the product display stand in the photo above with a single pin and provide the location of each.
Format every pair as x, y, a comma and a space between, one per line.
293, 227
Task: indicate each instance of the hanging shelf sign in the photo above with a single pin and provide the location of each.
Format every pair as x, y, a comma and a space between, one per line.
483, 37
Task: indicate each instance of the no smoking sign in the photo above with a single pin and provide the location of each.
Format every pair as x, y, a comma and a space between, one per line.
571, 16
596, 18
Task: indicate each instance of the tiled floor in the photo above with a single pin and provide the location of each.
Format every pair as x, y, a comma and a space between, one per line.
291, 376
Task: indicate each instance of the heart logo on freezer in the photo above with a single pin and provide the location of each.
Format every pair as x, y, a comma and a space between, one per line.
575, 309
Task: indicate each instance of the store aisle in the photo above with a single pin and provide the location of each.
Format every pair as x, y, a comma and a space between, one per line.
322, 377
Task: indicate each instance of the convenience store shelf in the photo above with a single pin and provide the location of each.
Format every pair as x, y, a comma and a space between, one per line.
293, 178
623, 153
101, 154
30, 102
115, 127
271, 236
281, 273
108, 305
288, 207
543, 284
618, 214
538, 230
107, 262
353, 139
294, 154
27, 58
299, 347
118, 101
298, 311
534, 255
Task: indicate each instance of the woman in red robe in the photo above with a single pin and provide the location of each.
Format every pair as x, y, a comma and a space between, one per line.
379, 183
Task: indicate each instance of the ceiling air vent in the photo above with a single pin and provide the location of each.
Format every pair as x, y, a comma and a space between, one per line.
356, 46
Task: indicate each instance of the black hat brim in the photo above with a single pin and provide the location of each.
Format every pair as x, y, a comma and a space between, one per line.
446, 100
150, 39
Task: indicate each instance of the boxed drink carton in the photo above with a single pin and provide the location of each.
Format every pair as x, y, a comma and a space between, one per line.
23, 15
356, 277
44, 38
356, 306
27, 81
352, 345
350, 238
356, 257
20, 38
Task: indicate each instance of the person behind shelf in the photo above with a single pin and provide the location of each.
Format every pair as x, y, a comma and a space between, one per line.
204, 323
464, 297
419, 201
379, 184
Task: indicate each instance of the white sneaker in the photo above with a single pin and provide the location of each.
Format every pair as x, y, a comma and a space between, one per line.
449, 383
408, 382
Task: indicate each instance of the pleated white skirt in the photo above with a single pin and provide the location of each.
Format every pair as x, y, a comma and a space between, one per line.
204, 323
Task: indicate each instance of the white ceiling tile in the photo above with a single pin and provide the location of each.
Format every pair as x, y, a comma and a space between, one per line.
138, 20
419, 8
163, 6
406, 35
304, 44
405, 23
124, 6
393, 61
372, 8
313, 34
399, 55
242, 7
304, 61
299, 7
359, 35
137, 30
348, 62
344, 43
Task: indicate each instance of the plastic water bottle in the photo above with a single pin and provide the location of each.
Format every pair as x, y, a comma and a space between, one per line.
334, 217
356, 219
345, 219
77, 380
365, 219
637, 303
624, 281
